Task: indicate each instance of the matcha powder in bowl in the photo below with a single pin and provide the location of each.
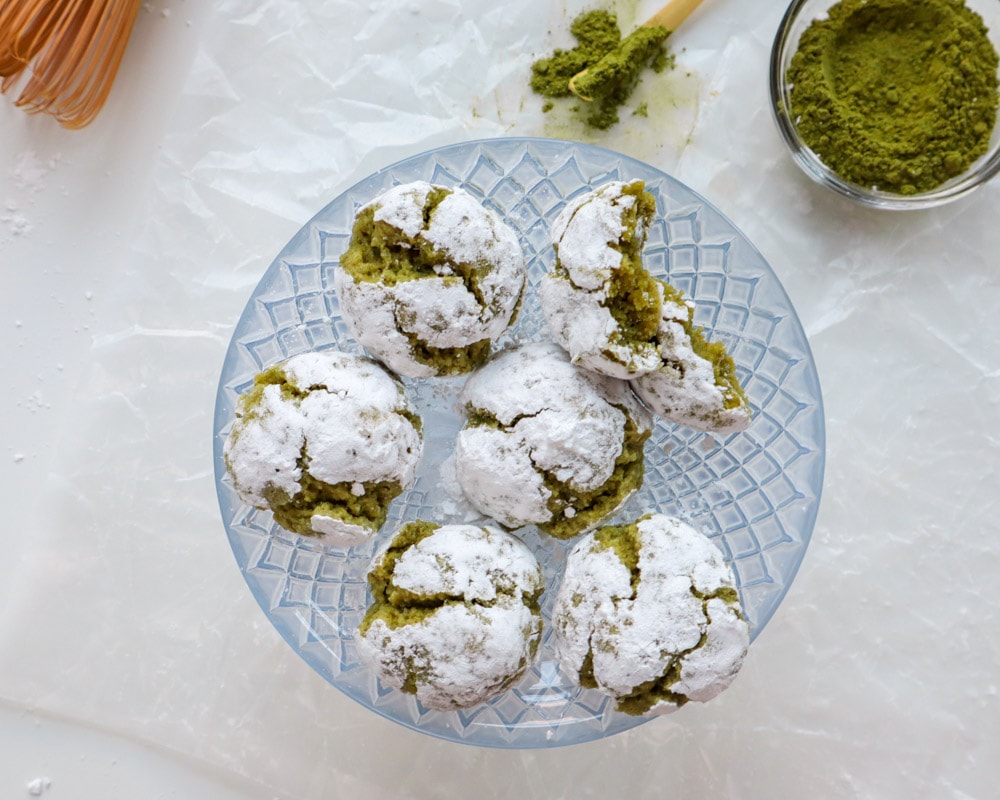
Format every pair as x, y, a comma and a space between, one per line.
890, 102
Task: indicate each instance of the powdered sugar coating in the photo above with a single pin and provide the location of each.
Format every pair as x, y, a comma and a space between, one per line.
574, 296
683, 388
584, 233
473, 645
394, 320
669, 622
551, 417
340, 417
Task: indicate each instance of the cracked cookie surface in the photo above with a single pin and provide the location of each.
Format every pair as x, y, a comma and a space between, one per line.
455, 618
695, 384
612, 316
649, 614
599, 301
325, 441
547, 443
430, 279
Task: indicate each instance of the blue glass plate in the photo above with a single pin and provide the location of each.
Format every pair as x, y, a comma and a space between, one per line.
755, 493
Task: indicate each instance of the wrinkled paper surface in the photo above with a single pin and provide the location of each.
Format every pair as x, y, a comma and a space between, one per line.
129, 249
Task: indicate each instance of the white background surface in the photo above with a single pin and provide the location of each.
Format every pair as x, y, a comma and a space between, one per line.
133, 660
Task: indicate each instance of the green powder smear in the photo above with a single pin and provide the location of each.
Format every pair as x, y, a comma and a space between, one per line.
596, 33
896, 94
614, 66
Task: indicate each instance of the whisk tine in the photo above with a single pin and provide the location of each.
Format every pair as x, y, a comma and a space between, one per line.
24, 29
53, 46
110, 44
65, 61
63, 54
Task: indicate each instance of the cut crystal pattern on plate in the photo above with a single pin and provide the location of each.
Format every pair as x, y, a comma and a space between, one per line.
755, 493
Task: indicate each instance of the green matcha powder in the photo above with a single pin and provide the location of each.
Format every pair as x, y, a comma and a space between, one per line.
614, 66
900, 95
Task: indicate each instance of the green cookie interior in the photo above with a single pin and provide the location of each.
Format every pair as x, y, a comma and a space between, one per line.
632, 298
713, 352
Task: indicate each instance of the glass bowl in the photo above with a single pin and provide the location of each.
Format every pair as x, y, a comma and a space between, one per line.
798, 17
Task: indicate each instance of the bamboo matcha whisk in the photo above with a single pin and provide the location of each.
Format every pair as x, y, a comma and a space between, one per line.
63, 55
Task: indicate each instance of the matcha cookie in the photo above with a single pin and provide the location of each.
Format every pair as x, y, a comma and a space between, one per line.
648, 613
430, 280
325, 441
695, 384
599, 301
547, 443
455, 618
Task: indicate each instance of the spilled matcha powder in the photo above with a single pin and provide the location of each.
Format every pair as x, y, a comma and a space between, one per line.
614, 66
896, 94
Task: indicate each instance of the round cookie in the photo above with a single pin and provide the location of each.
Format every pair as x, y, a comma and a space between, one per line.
600, 303
455, 618
325, 441
547, 443
695, 384
430, 279
648, 613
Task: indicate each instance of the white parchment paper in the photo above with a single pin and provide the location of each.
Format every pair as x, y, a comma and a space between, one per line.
128, 251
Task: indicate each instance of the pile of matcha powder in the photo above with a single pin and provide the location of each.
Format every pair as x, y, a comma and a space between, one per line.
900, 95
621, 63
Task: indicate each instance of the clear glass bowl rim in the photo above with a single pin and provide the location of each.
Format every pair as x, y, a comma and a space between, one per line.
778, 89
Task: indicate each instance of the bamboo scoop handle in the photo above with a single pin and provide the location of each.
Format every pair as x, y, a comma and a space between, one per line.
672, 14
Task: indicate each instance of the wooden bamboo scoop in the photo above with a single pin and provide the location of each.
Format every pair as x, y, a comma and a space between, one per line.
669, 17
